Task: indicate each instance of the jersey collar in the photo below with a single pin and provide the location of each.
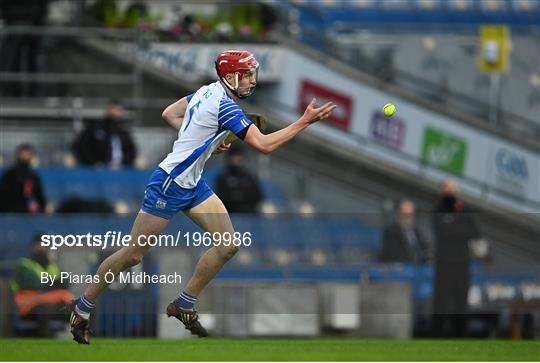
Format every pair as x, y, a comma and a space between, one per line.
225, 91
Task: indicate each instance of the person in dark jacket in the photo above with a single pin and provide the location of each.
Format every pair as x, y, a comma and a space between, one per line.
454, 227
236, 187
20, 52
20, 186
402, 240
106, 142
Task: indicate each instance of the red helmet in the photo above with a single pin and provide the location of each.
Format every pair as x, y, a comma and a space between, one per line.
238, 62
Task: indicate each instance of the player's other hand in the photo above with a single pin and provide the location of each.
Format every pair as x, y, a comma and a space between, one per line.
313, 114
222, 148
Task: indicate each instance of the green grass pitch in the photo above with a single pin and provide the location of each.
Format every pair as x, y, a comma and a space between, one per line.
279, 349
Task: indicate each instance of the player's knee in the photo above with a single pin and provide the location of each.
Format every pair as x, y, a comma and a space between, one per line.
227, 252
134, 259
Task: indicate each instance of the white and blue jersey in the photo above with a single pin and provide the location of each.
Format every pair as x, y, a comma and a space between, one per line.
210, 116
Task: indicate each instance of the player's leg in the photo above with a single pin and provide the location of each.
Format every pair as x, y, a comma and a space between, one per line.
145, 225
158, 207
212, 217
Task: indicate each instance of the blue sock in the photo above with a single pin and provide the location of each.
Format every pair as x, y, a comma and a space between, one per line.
84, 307
185, 301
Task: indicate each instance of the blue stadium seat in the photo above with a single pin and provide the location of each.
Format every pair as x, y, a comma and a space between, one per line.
125, 185
315, 16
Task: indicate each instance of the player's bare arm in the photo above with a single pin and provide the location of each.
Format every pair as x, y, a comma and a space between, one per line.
268, 143
174, 113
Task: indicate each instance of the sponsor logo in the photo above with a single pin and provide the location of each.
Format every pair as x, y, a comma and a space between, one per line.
387, 131
341, 116
444, 150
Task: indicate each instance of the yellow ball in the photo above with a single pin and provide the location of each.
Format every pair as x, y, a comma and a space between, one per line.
389, 110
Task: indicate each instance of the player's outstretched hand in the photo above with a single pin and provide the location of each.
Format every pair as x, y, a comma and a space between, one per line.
313, 114
222, 148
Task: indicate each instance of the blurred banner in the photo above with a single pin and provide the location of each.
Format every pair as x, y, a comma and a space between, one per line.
195, 62
341, 118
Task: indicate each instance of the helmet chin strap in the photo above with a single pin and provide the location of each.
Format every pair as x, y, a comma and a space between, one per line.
235, 89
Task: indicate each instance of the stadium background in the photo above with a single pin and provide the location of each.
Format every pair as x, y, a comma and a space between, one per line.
314, 268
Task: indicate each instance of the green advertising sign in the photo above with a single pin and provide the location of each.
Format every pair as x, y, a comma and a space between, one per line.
444, 150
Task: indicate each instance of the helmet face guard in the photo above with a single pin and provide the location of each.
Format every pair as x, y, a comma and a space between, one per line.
252, 72
241, 64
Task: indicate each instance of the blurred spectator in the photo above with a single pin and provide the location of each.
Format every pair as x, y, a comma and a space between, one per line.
268, 17
36, 301
105, 11
20, 51
20, 186
454, 227
135, 13
245, 33
223, 32
384, 64
236, 187
190, 27
237, 21
107, 142
402, 240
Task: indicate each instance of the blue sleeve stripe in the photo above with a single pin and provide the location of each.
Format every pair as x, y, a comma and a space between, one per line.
229, 104
238, 127
228, 109
189, 97
224, 120
229, 119
220, 118
227, 112
221, 109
